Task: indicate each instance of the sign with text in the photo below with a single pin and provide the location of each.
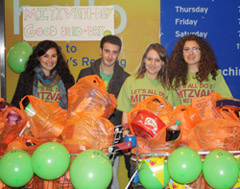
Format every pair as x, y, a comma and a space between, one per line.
216, 21
128, 22
65, 23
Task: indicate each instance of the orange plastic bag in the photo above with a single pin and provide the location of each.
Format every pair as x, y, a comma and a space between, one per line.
228, 113
29, 143
188, 116
3, 186
3, 105
207, 106
63, 182
156, 145
89, 94
86, 131
217, 133
200, 183
1, 124
48, 119
12, 128
154, 104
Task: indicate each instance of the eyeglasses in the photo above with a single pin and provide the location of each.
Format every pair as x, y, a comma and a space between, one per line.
194, 49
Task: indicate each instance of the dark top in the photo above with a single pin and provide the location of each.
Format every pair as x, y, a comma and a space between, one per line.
115, 84
25, 87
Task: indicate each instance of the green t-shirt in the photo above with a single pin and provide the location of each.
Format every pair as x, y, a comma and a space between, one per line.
106, 78
135, 90
195, 89
48, 93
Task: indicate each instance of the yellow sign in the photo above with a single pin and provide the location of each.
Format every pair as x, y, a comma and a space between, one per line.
67, 23
156, 164
174, 185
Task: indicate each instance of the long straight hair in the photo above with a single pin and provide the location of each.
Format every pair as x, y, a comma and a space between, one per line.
163, 56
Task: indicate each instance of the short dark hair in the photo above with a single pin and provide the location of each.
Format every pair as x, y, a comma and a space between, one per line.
113, 39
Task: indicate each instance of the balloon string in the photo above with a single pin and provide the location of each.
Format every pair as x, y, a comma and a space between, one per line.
188, 186
131, 179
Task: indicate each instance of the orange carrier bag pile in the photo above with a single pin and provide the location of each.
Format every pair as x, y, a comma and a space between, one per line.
157, 144
219, 128
89, 107
85, 131
188, 117
89, 94
47, 119
29, 143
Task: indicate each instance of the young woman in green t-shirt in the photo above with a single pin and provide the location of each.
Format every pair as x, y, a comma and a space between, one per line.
193, 71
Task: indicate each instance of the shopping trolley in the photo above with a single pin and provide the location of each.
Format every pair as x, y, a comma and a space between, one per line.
64, 182
136, 158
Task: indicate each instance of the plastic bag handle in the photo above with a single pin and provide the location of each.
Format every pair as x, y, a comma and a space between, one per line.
6, 112
181, 108
97, 82
94, 79
232, 115
20, 103
159, 100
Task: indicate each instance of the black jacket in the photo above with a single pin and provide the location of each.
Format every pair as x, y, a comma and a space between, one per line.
115, 84
25, 87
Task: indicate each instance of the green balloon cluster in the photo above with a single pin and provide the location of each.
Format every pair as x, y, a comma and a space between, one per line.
184, 165
149, 180
220, 169
91, 169
18, 56
50, 160
16, 168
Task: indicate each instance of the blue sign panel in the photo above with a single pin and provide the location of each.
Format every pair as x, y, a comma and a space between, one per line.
217, 21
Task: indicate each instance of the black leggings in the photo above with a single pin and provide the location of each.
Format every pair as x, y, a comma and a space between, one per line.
128, 165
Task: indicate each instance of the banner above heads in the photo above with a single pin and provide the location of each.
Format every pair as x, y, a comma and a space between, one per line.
67, 23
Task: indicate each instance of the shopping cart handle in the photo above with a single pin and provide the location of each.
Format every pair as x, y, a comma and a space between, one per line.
124, 145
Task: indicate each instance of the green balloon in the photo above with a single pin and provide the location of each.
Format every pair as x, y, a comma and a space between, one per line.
18, 56
220, 169
91, 169
16, 168
50, 160
149, 180
184, 165
107, 32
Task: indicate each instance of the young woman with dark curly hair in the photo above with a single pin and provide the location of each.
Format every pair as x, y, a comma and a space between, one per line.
193, 70
47, 76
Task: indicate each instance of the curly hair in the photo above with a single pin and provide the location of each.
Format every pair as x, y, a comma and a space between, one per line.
40, 50
178, 68
163, 56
